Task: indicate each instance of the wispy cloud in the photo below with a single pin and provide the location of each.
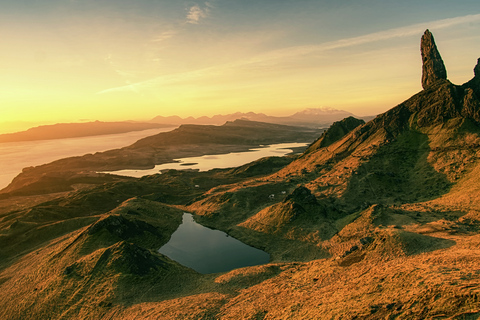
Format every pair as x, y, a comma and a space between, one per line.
123, 74
165, 36
406, 31
273, 57
411, 30
197, 13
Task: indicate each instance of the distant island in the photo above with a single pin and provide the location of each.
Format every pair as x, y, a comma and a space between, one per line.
76, 130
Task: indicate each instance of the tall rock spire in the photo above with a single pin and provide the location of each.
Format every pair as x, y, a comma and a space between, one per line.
433, 68
476, 70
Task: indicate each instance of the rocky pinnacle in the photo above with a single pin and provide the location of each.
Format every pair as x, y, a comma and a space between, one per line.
433, 68
477, 69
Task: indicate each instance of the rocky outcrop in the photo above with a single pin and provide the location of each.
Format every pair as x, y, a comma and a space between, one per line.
433, 67
337, 131
302, 195
476, 70
120, 227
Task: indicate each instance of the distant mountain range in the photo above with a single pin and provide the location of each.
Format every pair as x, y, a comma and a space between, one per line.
311, 117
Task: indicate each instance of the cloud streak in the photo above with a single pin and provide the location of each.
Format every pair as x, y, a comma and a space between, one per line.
273, 57
165, 36
401, 32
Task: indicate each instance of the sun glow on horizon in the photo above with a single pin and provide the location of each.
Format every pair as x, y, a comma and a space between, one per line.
114, 62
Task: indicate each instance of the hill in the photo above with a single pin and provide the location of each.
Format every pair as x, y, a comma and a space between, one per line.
376, 220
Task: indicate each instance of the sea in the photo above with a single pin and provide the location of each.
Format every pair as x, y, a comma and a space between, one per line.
14, 156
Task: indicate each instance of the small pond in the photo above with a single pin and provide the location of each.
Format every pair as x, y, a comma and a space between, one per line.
209, 251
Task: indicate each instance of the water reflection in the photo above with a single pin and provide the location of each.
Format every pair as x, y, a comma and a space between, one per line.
209, 251
208, 162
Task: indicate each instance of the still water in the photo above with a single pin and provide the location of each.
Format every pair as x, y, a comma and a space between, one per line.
208, 162
14, 156
210, 251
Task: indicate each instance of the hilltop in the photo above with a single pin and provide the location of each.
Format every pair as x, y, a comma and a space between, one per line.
375, 220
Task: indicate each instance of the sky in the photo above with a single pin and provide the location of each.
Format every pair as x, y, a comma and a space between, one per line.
114, 60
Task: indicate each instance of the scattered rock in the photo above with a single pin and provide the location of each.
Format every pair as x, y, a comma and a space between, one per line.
390, 306
69, 270
366, 240
351, 250
302, 195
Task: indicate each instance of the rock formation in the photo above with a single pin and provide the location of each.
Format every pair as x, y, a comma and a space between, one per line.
337, 131
433, 68
477, 69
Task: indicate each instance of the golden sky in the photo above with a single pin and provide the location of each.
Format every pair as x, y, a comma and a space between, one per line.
79, 60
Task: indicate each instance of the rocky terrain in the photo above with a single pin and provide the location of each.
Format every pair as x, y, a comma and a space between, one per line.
376, 220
